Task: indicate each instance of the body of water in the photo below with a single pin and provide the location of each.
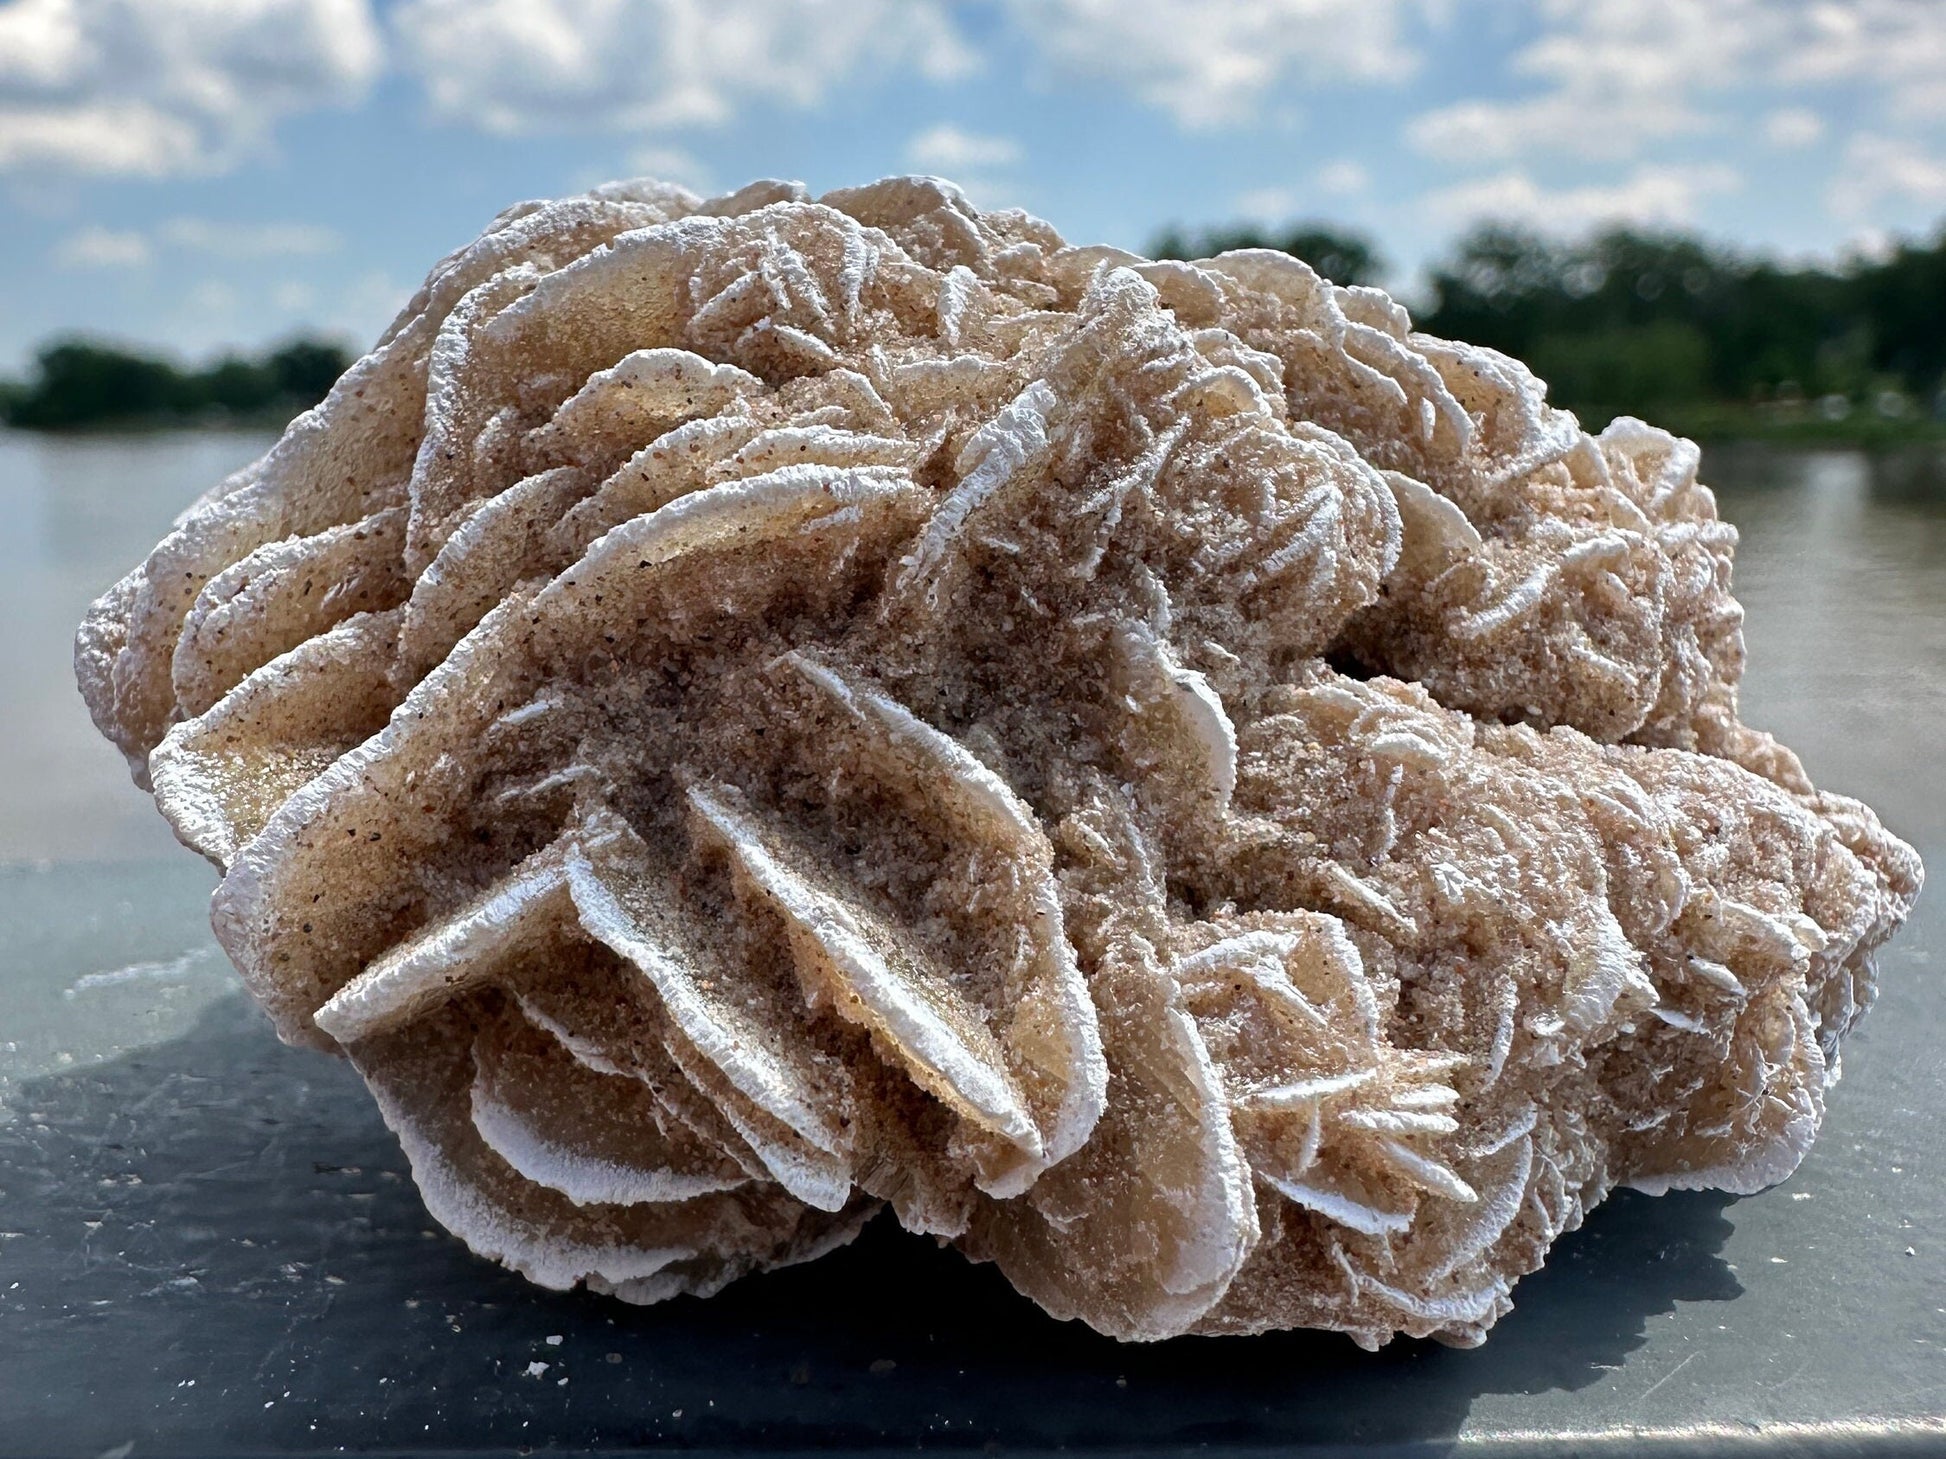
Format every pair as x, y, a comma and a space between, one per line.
1842, 569
75, 514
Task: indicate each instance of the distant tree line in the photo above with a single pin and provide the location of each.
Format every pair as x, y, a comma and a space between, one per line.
1674, 327
1667, 325
1342, 255
79, 383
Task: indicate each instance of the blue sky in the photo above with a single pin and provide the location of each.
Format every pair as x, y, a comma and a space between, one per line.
202, 173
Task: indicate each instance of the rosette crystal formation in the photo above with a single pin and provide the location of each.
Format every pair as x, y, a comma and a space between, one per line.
741, 713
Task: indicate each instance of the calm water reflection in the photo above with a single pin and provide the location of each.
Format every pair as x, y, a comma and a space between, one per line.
1842, 573
1843, 570
74, 516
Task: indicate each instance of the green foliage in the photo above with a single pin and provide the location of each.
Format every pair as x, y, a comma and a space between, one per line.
79, 382
1636, 369
1905, 297
1342, 255
1673, 327
1660, 324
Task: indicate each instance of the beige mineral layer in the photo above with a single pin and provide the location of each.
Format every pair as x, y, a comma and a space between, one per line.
743, 714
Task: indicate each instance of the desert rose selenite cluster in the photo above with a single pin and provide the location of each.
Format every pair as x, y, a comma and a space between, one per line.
737, 714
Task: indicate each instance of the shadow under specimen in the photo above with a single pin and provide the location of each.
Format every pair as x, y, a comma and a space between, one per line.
214, 1246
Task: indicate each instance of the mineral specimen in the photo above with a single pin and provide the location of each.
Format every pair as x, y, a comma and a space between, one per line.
738, 713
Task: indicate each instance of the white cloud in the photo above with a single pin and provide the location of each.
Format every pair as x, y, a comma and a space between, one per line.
517, 66
214, 300
1570, 121
1869, 245
41, 44
1343, 179
1266, 204
248, 240
1878, 170
670, 164
1617, 73
1791, 127
125, 139
949, 150
367, 305
984, 166
153, 88
1648, 195
97, 247
1615, 76
1213, 63
1280, 204
1897, 47
294, 296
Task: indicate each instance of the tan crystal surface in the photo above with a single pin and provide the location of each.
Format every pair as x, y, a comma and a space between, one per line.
737, 713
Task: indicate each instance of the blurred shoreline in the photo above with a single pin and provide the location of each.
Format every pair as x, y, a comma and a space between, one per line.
1704, 339
84, 385
1714, 427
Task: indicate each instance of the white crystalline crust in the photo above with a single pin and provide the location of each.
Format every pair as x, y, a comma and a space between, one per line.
738, 713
